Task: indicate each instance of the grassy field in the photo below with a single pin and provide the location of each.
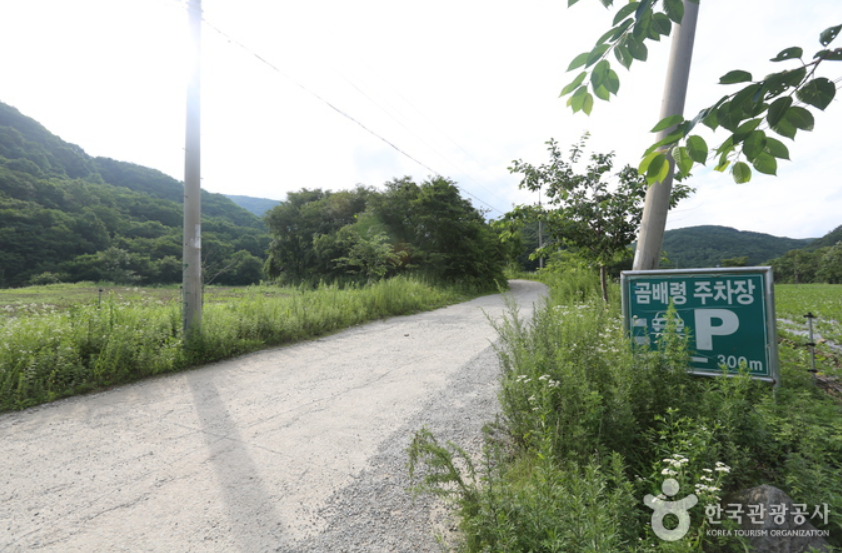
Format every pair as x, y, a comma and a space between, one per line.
793, 301
60, 297
60, 340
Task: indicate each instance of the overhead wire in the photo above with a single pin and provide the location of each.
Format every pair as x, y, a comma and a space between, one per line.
338, 110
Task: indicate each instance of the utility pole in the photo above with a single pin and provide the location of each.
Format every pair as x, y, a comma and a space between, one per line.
650, 241
192, 252
540, 228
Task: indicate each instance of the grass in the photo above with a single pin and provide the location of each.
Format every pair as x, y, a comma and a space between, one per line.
793, 301
60, 340
590, 427
61, 297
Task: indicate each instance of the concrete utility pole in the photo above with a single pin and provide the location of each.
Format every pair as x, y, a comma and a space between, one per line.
650, 241
540, 230
192, 253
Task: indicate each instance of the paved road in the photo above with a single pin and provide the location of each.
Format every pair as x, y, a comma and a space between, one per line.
298, 448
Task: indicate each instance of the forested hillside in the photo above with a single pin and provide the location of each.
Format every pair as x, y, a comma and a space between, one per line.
258, 206
67, 216
710, 246
819, 261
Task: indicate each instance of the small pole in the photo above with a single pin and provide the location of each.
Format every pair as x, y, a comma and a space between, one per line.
812, 344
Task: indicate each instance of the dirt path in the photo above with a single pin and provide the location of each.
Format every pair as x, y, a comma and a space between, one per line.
292, 449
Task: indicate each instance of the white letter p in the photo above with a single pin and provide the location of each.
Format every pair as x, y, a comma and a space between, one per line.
705, 331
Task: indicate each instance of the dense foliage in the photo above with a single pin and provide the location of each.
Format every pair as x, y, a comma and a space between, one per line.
810, 265
66, 216
426, 229
591, 426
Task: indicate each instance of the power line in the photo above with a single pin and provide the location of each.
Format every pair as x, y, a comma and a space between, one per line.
275, 68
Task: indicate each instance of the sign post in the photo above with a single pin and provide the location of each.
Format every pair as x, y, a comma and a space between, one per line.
728, 314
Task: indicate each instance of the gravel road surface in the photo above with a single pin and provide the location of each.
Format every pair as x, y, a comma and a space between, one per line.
295, 449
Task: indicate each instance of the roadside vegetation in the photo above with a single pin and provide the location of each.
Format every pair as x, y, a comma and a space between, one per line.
62, 340
590, 426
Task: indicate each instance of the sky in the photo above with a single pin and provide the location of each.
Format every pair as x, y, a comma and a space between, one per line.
331, 94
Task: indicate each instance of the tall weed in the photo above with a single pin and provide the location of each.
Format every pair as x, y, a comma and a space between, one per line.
50, 354
592, 423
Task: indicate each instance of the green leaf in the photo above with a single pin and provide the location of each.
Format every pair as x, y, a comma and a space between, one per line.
623, 56
697, 149
776, 148
596, 54
571, 2
829, 34
785, 128
818, 92
682, 160
727, 118
754, 144
574, 84
722, 165
578, 61
646, 161
790, 53
661, 23
777, 83
606, 36
602, 93
600, 73
658, 169
741, 172
795, 76
668, 122
766, 164
800, 118
637, 50
612, 83
577, 100
736, 76
726, 147
625, 11
674, 10
711, 120
588, 104
624, 26
743, 99
778, 109
745, 129
830, 55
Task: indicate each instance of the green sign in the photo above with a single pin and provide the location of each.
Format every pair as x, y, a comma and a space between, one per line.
728, 314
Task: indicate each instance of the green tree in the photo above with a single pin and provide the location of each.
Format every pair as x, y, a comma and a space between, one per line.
370, 255
830, 265
596, 221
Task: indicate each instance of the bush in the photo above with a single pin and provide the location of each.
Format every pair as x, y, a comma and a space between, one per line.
592, 426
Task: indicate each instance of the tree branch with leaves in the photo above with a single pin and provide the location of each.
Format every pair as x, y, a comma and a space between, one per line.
778, 102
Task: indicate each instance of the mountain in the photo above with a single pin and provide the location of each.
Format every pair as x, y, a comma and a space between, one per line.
830, 239
65, 215
709, 245
258, 206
